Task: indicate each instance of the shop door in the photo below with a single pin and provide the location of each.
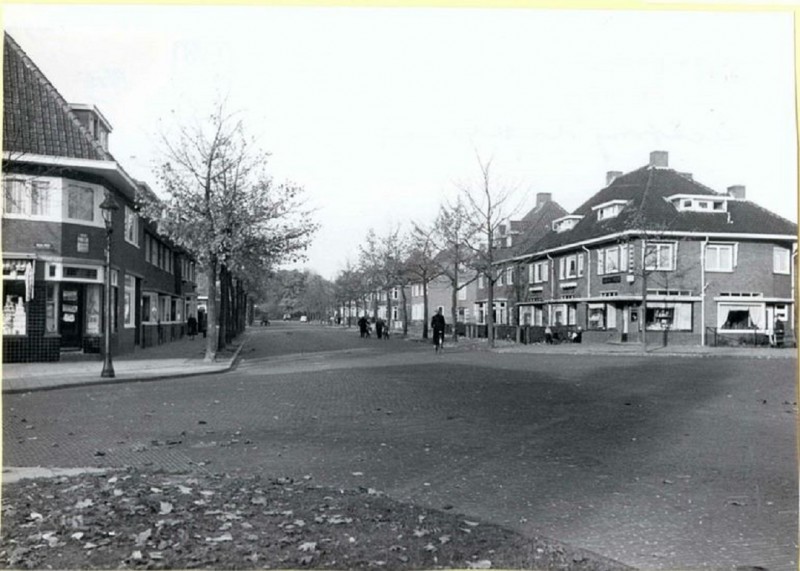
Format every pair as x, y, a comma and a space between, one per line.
71, 316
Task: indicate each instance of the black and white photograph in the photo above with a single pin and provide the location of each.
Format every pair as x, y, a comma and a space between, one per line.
381, 287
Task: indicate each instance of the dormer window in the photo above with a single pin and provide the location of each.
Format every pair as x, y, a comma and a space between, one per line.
566, 222
698, 203
610, 209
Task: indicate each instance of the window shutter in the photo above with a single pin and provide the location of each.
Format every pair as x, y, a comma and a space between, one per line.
623, 258
580, 264
601, 262
562, 264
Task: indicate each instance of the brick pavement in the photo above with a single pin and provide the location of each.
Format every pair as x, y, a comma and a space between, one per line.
176, 359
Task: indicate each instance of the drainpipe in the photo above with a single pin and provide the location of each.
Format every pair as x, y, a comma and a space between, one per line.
703, 292
552, 269
791, 274
587, 269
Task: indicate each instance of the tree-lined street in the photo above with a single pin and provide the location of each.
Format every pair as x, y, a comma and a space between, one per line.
658, 462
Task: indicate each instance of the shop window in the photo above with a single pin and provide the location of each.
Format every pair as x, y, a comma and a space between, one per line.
51, 309
93, 307
129, 295
80, 203
740, 316
672, 316
15, 315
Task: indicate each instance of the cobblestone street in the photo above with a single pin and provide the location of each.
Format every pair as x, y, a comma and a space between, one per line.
660, 463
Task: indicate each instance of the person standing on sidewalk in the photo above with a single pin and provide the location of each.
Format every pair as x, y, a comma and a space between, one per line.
438, 325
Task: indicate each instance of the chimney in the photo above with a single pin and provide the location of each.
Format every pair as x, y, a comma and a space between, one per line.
686, 175
611, 176
737, 191
659, 159
543, 198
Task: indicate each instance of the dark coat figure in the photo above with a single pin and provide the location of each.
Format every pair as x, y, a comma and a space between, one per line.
438, 324
362, 326
379, 325
191, 323
202, 322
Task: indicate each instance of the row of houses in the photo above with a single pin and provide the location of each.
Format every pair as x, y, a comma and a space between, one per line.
711, 267
57, 172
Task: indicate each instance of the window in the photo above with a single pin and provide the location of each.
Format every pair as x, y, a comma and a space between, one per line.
672, 316
609, 209
129, 317
28, 198
659, 256
131, 226
720, 257
740, 316
509, 275
481, 282
780, 260
570, 266
612, 260
539, 272
15, 315
601, 316
51, 309
15, 196
80, 203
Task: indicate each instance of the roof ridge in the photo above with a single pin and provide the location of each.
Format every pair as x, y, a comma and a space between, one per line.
60, 99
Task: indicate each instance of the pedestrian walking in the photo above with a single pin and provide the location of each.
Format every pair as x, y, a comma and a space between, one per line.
438, 325
191, 323
362, 326
548, 335
379, 325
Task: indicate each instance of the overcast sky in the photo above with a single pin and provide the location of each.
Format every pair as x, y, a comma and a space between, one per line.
379, 112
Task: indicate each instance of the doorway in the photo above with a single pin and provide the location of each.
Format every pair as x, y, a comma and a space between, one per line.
71, 317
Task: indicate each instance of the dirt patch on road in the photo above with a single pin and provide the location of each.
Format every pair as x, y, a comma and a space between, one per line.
129, 519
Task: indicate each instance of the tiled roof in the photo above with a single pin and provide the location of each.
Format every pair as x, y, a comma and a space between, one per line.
645, 190
532, 227
36, 118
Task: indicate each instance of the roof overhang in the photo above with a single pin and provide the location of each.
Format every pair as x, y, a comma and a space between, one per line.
109, 170
649, 235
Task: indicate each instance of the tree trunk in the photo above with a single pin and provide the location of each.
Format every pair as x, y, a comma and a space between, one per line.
211, 310
388, 309
405, 311
490, 311
425, 313
454, 309
223, 309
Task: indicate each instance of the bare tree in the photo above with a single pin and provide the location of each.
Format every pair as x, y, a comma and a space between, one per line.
421, 264
454, 229
383, 261
487, 206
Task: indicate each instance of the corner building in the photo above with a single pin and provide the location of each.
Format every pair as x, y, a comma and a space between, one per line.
712, 267
57, 170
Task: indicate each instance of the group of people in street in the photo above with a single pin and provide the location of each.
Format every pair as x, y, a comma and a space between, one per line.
365, 328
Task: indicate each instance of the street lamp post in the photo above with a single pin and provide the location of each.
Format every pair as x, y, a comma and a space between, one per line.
108, 207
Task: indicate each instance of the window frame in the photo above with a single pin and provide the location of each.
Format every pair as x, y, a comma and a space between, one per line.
672, 247
73, 186
718, 247
780, 250
131, 226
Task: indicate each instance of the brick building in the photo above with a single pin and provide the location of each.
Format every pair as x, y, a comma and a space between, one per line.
57, 170
711, 267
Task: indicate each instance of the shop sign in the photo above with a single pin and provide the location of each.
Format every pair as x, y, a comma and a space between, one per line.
70, 308
43, 246
70, 295
612, 280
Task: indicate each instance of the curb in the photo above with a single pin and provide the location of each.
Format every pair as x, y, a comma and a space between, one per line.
233, 362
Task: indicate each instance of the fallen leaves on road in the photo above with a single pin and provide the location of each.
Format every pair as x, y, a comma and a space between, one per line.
133, 520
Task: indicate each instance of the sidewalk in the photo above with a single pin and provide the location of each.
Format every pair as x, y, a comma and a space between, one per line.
180, 358
653, 350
